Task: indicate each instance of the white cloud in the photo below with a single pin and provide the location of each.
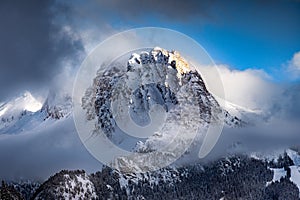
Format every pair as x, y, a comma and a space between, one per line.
294, 66
248, 88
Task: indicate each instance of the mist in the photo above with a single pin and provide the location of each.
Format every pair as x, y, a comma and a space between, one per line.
38, 154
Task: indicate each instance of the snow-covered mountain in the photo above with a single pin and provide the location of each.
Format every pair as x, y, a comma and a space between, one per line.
24, 102
153, 77
25, 113
14, 111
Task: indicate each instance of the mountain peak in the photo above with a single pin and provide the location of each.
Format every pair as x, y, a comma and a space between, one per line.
21, 103
158, 55
153, 78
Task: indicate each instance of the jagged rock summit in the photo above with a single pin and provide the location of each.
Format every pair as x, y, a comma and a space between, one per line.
158, 55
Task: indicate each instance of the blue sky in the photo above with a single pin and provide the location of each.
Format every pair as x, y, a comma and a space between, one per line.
40, 37
244, 34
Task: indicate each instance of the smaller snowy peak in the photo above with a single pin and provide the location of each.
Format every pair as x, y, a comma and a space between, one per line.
17, 107
26, 113
20, 114
21, 103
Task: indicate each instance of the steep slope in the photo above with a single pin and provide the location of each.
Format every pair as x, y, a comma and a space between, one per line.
24, 102
24, 114
16, 113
